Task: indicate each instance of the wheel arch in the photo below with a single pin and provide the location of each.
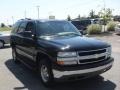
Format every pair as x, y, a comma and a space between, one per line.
40, 56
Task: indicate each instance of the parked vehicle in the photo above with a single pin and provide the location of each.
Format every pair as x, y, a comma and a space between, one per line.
95, 21
58, 51
117, 29
4, 39
82, 25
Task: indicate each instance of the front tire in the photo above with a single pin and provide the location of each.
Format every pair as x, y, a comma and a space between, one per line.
45, 73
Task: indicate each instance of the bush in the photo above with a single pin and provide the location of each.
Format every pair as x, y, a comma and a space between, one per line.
111, 26
94, 29
5, 28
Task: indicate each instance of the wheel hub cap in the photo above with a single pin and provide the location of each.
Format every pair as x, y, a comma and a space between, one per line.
44, 73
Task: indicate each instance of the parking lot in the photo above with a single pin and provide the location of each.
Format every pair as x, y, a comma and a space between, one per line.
18, 77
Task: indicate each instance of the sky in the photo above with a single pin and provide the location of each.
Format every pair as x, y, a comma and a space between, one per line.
13, 10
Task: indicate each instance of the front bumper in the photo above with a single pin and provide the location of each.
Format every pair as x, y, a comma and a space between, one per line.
87, 71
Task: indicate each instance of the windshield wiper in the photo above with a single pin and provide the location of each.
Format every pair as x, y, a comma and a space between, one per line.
68, 33
60, 34
47, 35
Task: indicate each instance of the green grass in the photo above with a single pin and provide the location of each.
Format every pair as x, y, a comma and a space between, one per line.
5, 29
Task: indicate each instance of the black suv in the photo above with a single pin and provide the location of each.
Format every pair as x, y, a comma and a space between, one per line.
58, 50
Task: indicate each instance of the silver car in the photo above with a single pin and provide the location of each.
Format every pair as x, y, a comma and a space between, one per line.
4, 39
117, 29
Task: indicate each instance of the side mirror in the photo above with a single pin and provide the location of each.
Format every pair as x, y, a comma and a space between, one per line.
81, 31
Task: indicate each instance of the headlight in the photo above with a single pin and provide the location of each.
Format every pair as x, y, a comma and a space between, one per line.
67, 58
67, 54
109, 51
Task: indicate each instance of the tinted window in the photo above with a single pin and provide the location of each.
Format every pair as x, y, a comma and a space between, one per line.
77, 24
82, 22
30, 27
55, 27
22, 27
86, 22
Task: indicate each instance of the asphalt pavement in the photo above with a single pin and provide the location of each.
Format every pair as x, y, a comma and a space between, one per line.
19, 77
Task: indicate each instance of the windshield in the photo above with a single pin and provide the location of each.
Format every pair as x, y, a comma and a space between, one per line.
56, 28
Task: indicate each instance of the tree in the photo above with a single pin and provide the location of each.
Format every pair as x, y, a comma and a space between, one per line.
106, 14
92, 14
109, 13
2, 25
96, 16
69, 18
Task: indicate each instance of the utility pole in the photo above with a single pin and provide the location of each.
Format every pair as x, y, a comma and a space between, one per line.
104, 13
13, 20
25, 14
38, 10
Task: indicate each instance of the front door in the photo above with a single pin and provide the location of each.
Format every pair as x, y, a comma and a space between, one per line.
29, 43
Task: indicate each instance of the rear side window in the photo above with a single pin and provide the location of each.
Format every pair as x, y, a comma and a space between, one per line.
21, 27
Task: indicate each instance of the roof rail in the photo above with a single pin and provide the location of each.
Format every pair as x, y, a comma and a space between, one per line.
25, 19
28, 18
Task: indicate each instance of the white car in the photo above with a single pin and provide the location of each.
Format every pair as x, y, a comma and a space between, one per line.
4, 39
117, 29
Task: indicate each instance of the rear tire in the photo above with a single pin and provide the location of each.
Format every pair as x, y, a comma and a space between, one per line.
14, 55
45, 73
1, 44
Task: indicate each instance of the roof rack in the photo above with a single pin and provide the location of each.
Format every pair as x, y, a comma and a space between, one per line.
26, 19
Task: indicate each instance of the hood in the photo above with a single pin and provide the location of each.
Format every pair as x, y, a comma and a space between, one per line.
76, 43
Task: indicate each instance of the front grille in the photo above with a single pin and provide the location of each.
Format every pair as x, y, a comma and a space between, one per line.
92, 56
85, 53
91, 60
